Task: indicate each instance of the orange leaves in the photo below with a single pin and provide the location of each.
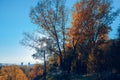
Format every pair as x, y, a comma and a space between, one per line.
36, 71
32, 74
3, 78
12, 72
36, 67
80, 21
51, 60
68, 45
77, 6
76, 19
85, 20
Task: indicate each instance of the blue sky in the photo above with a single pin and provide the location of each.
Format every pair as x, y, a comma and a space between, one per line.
14, 20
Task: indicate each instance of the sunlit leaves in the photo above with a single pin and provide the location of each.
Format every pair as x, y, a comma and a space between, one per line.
12, 72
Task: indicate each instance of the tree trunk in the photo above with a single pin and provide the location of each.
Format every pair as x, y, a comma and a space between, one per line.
44, 66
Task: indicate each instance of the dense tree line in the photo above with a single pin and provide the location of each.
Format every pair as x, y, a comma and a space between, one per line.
82, 48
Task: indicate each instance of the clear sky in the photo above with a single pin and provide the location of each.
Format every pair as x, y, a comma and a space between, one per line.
14, 20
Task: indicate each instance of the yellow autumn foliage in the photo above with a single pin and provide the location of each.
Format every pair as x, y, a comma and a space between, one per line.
12, 73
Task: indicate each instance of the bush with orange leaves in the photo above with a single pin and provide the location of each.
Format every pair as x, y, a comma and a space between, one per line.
36, 72
12, 73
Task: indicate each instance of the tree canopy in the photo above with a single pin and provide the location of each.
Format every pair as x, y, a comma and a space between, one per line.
85, 46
